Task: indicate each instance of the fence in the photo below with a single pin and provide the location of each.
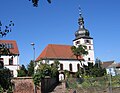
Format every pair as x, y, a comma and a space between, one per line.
48, 84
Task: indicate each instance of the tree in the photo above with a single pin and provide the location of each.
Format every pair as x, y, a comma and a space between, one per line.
30, 68
5, 78
35, 2
94, 70
6, 30
3, 32
46, 69
79, 51
22, 72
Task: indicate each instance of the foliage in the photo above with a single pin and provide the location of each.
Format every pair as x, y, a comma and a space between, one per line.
67, 74
5, 78
94, 70
35, 2
46, 69
22, 72
30, 68
71, 83
1, 89
79, 51
4, 32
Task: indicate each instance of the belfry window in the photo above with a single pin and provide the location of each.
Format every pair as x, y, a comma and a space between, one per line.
87, 41
77, 42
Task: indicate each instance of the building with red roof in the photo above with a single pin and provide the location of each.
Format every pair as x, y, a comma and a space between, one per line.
64, 55
10, 60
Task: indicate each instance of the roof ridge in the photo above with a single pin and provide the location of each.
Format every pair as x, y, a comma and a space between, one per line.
60, 44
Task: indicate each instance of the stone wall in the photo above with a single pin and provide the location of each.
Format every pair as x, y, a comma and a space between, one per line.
23, 85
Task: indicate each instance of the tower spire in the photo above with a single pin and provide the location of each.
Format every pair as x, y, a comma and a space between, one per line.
80, 20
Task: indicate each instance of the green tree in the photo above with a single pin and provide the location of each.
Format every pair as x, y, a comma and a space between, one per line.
22, 72
30, 68
46, 69
94, 70
79, 51
5, 78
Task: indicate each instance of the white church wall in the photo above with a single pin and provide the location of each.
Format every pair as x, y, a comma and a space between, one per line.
65, 63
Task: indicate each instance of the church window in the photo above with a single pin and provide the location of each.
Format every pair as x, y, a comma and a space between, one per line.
61, 66
78, 66
70, 67
11, 61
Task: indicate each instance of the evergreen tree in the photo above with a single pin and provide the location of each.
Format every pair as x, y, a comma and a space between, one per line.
22, 72
30, 68
5, 78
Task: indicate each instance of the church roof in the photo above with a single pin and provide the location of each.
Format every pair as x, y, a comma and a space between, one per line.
57, 52
11, 45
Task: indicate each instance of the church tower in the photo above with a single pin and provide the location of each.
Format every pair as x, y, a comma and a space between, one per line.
82, 37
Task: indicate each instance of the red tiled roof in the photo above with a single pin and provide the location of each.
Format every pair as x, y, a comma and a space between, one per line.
53, 51
13, 50
106, 64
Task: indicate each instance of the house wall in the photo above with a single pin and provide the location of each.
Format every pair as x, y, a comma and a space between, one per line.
13, 68
111, 71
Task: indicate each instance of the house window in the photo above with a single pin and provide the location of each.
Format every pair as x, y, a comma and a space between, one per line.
61, 66
11, 61
1, 63
70, 67
88, 59
78, 66
6, 45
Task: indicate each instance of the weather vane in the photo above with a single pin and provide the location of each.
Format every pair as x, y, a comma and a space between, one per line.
80, 11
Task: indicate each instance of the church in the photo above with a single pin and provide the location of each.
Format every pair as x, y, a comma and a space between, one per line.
64, 54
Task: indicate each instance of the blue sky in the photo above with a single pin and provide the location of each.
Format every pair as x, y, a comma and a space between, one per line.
56, 23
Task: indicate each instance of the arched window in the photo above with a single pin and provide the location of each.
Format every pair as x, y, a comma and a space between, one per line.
61, 66
78, 66
70, 67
